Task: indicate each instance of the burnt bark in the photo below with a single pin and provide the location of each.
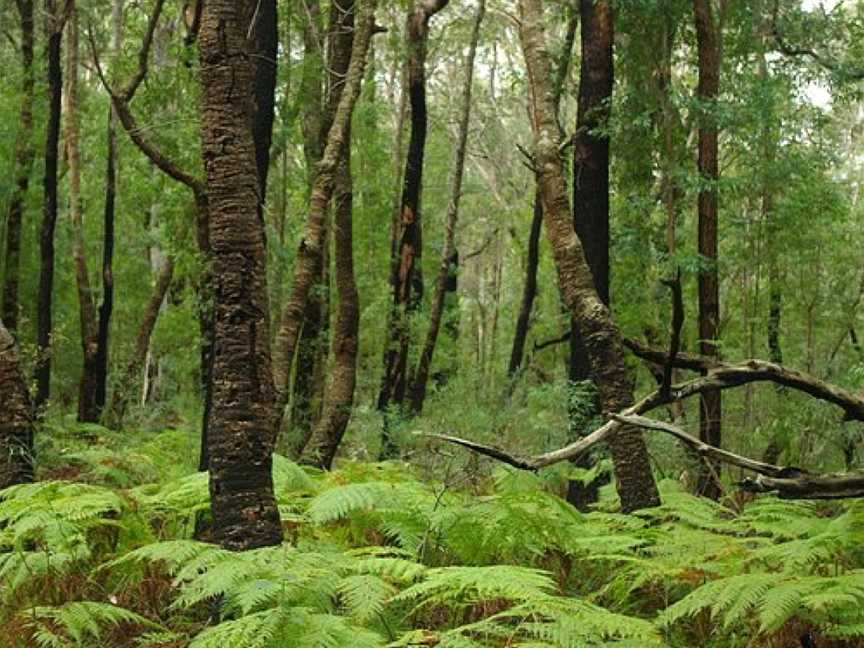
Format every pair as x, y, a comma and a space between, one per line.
24, 154
265, 31
448, 254
44, 325
124, 389
591, 189
708, 45
16, 416
406, 279
244, 508
602, 339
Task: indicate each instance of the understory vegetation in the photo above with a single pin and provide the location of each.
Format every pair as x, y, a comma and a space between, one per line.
100, 553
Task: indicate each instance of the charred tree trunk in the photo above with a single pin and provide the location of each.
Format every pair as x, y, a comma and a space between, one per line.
16, 416
24, 154
244, 508
311, 246
602, 339
124, 389
707, 36
44, 325
266, 35
406, 279
591, 189
448, 254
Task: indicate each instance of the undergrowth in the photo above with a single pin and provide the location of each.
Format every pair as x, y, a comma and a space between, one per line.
100, 554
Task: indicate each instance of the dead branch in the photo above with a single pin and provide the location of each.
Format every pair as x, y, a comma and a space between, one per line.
675, 338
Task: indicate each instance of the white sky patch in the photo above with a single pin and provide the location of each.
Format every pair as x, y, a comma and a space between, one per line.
817, 93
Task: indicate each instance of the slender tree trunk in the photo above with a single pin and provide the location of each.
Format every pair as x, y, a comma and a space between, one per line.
44, 326
124, 389
106, 308
244, 508
406, 279
445, 269
707, 35
24, 154
529, 288
311, 245
591, 189
16, 416
602, 339
265, 31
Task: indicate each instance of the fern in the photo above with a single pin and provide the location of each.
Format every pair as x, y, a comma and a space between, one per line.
77, 624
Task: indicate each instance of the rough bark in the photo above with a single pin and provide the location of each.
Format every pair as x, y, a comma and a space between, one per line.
406, 279
707, 37
244, 508
591, 188
16, 416
54, 30
24, 154
635, 483
448, 254
311, 246
124, 389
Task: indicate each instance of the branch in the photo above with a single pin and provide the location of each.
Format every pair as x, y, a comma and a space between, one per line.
143, 54
539, 346
677, 323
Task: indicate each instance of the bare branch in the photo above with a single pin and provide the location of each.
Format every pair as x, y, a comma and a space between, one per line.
675, 338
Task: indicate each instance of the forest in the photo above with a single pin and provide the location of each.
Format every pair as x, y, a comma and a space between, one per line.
431, 323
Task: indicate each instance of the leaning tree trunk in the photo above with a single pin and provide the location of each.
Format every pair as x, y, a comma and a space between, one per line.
591, 191
602, 339
707, 36
406, 279
16, 416
529, 288
448, 254
311, 246
24, 154
244, 508
54, 30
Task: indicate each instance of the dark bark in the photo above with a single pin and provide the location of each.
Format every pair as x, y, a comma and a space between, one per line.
707, 36
244, 509
124, 389
16, 416
266, 36
448, 254
635, 483
24, 154
44, 325
406, 279
591, 189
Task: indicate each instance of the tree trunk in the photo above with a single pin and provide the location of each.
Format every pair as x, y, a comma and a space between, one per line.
445, 269
16, 416
602, 339
123, 391
244, 509
311, 246
24, 154
406, 279
266, 35
707, 36
591, 189
44, 326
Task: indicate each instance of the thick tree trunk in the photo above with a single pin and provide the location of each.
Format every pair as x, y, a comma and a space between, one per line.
44, 326
87, 411
24, 154
311, 246
406, 279
16, 416
707, 36
244, 508
124, 389
602, 339
591, 188
448, 254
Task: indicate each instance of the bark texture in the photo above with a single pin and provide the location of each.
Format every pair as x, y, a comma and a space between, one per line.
406, 279
16, 416
24, 154
44, 324
244, 508
635, 483
707, 37
448, 254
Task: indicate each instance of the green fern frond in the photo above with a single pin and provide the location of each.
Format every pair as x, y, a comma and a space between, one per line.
80, 622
